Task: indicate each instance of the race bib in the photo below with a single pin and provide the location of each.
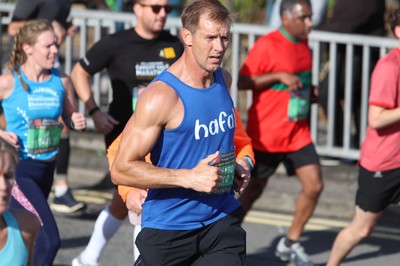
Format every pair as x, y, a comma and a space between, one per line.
227, 163
43, 135
299, 104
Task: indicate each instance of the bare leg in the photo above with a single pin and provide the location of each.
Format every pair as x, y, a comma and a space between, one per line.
117, 207
312, 186
361, 226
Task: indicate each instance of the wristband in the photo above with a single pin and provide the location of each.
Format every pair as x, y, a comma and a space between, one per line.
93, 110
249, 161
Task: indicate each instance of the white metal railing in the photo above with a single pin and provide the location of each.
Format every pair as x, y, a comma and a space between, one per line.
92, 25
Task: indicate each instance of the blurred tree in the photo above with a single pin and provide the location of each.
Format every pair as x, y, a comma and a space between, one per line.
247, 11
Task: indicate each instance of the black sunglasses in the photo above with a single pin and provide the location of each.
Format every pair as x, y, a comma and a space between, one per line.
157, 8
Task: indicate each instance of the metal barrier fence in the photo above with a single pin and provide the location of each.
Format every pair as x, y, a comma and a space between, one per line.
92, 25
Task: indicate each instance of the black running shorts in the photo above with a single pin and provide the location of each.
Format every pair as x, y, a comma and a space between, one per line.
266, 163
376, 190
221, 243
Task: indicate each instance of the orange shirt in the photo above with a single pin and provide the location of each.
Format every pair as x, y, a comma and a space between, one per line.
241, 140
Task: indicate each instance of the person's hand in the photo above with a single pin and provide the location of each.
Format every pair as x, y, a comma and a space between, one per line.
71, 29
242, 175
104, 122
10, 137
79, 121
292, 81
204, 177
135, 199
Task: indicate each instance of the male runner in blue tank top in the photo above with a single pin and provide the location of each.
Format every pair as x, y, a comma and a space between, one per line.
185, 119
132, 58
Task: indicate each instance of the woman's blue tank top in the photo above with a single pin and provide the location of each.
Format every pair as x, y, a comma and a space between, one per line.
14, 253
42, 102
208, 126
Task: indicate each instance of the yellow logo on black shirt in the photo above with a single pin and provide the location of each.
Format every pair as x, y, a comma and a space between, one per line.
168, 53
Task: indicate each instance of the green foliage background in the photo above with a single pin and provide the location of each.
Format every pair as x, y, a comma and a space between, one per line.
247, 11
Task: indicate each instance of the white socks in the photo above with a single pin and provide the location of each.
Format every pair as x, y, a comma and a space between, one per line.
105, 227
60, 190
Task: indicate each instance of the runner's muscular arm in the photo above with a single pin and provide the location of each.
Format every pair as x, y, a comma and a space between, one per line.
158, 108
133, 197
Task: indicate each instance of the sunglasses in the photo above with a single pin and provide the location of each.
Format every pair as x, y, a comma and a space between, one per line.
157, 8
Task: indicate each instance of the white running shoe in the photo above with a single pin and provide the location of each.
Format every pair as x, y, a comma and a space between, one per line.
294, 253
299, 257
79, 262
282, 251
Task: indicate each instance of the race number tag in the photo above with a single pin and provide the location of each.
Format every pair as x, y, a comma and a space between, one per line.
43, 135
226, 162
299, 104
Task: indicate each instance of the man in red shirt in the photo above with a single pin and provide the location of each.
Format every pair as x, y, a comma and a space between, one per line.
278, 71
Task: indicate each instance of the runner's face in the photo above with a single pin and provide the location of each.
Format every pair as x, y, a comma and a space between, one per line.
152, 16
44, 51
210, 42
7, 175
298, 22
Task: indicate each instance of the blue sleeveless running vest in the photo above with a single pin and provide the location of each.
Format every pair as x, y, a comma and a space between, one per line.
14, 253
208, 126
44, 100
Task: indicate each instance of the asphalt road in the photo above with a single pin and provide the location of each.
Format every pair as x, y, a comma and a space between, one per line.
264, 225
263, 231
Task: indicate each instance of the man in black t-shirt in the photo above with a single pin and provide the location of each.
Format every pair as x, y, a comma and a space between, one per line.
132, 58
131, 62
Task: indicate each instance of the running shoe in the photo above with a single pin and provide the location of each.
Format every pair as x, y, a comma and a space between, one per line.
282, 251
299, 257
67, 204
294, 253
79, 262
